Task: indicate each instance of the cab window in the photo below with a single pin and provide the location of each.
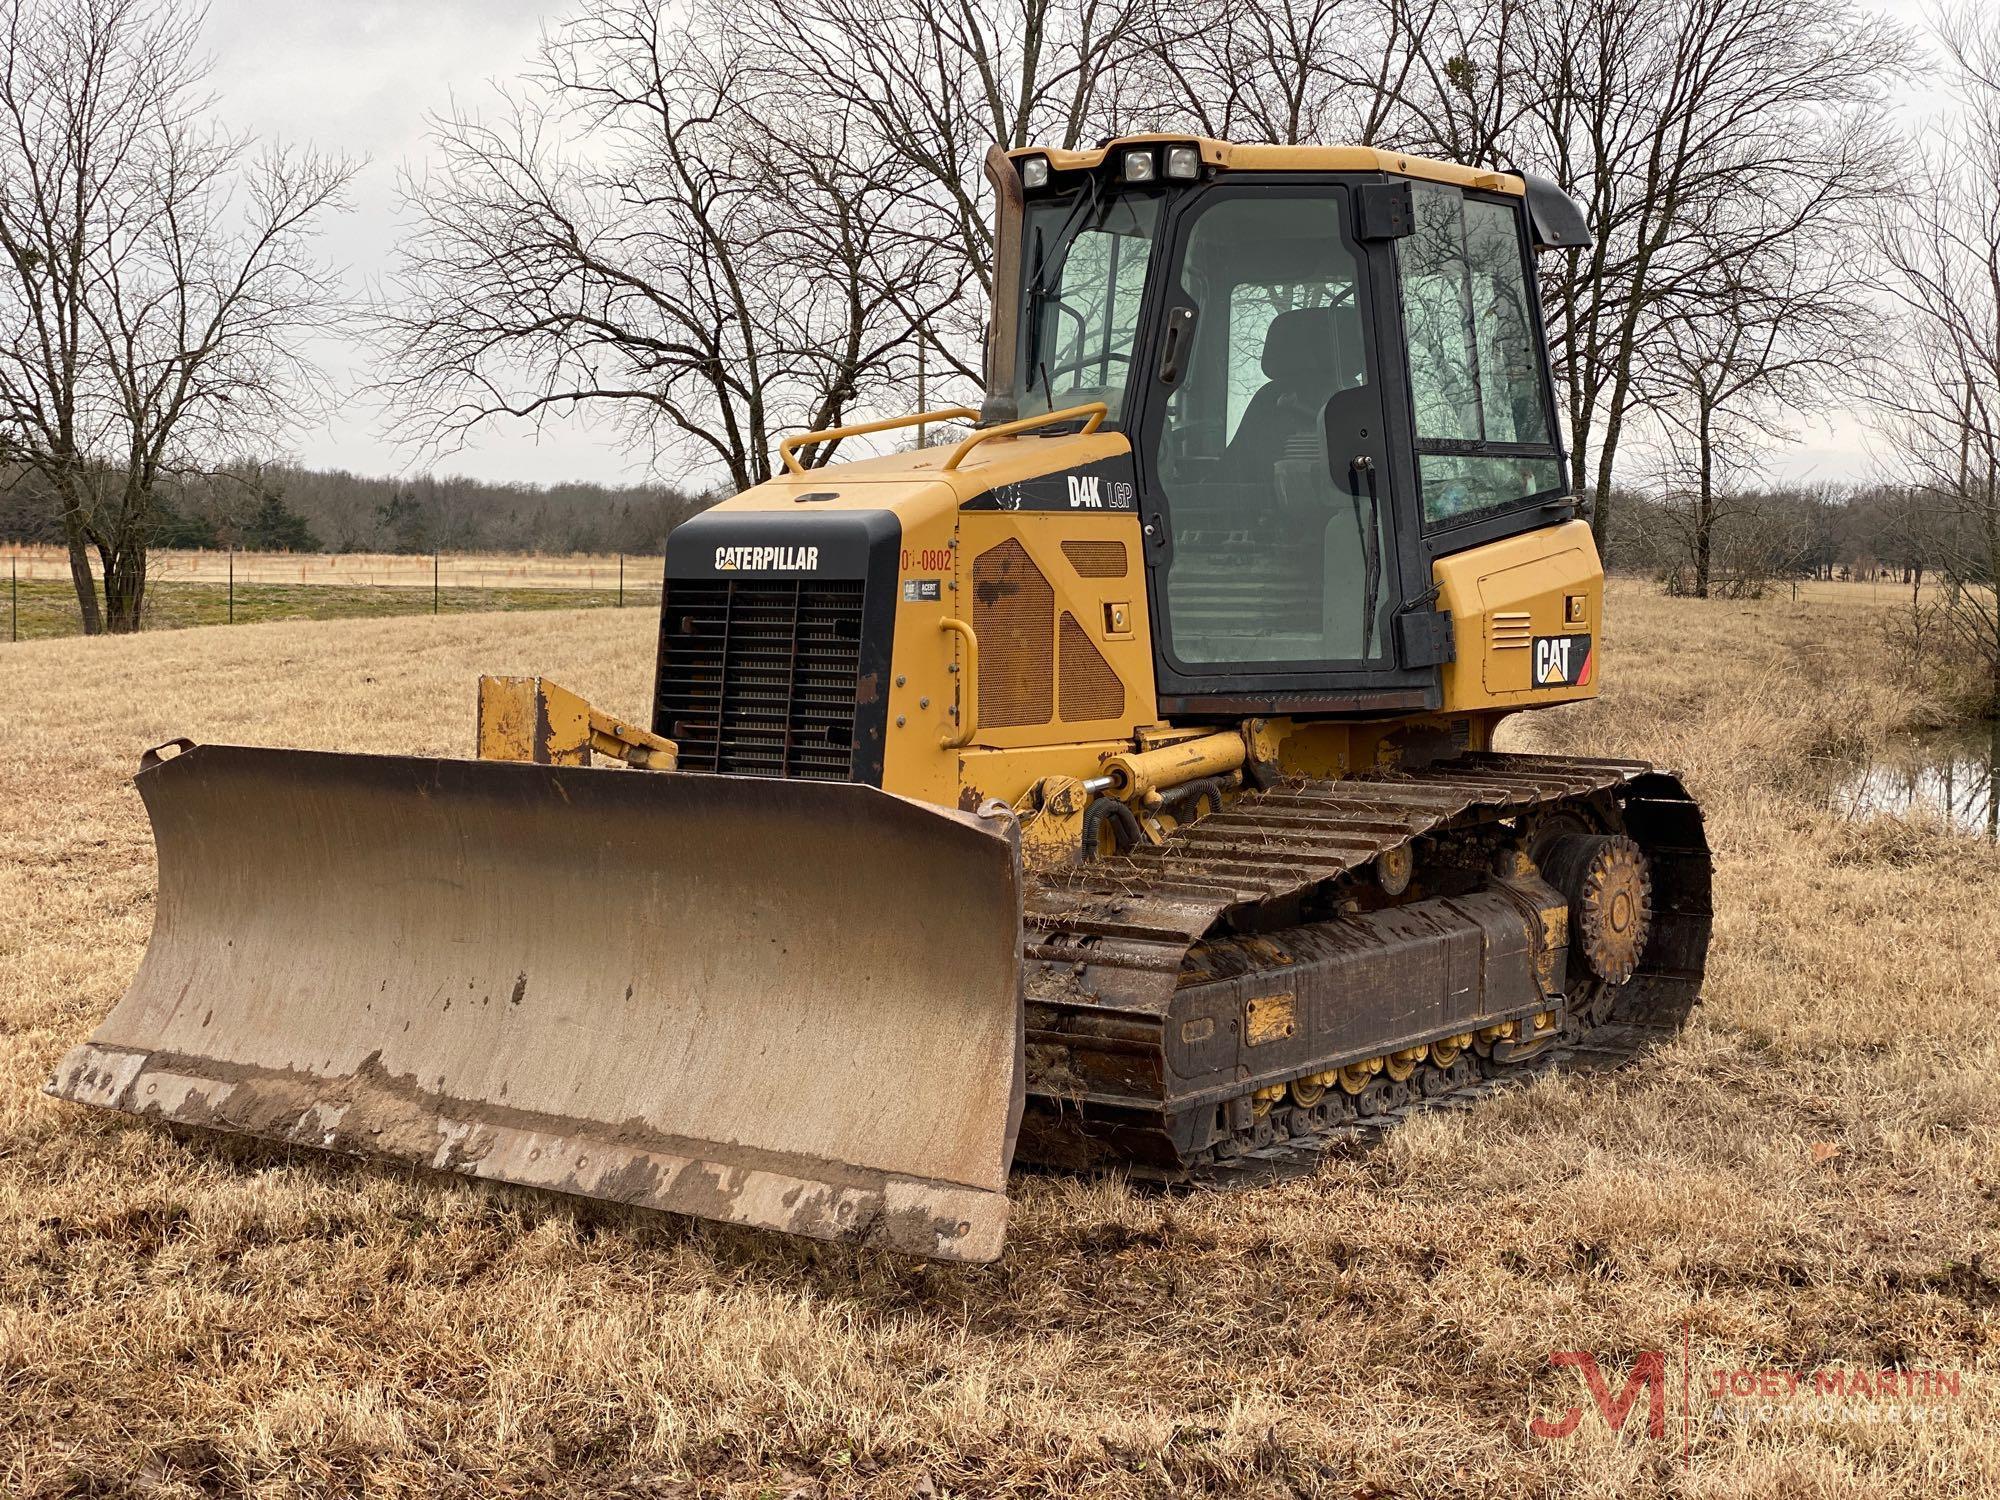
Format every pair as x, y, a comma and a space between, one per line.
1485, 436
1085, 270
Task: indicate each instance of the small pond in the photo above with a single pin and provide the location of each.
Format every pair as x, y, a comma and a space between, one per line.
1952, 777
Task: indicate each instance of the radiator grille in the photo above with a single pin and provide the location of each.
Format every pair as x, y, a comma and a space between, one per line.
1013, 613
1090, 689
757, 675
1096, 559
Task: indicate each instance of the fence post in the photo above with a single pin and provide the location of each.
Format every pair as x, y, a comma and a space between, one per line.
434, 583
232, 583
14, 570
621, 580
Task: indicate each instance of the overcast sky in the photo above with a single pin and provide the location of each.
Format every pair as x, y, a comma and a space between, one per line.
361, 75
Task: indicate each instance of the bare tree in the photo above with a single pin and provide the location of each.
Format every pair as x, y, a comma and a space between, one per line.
1287, 71
1942, 244
648, 226
933, 84
676, 220
158, 282
1775, 332
1699, 134
1463, 95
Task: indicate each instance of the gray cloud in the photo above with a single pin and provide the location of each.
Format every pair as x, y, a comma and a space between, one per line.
360, 77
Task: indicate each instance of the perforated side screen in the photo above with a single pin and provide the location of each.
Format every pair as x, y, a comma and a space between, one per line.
1013, 613
1090, 689
1096, 559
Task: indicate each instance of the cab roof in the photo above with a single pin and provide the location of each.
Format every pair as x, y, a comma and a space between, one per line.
1254, 157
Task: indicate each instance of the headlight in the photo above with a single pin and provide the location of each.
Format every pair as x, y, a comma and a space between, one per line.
1138, 166
1034, 171
1183, 163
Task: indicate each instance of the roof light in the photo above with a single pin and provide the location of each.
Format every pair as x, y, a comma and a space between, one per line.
1183, 163
1138, 166
1034, 171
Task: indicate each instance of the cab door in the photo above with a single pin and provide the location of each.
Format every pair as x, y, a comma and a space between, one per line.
1273, 552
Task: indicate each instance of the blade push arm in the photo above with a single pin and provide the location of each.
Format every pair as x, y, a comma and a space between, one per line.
534, 719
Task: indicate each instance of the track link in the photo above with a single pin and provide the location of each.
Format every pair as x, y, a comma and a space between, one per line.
1604, 1049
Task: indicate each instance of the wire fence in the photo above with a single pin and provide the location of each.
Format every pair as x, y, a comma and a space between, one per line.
232, 587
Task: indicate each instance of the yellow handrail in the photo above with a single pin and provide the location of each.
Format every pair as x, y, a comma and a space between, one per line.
788, 449
968, 689
1096, 410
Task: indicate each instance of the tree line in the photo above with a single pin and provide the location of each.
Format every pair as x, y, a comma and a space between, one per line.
284, 507
1769, 535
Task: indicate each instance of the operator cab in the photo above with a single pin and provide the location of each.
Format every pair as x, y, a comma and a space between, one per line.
1331, 366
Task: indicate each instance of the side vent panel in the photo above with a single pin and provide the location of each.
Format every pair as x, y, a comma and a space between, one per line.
1509, 630
1096, 560
1509, 634
1090, 689
1013, 612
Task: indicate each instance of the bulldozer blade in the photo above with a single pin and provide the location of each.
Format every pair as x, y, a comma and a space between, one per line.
788, 1004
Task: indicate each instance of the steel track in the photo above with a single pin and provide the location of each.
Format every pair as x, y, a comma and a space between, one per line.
1108, 944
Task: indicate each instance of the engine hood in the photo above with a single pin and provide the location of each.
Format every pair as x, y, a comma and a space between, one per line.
917, 485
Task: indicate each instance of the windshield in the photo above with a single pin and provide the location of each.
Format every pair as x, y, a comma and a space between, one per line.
1084, 261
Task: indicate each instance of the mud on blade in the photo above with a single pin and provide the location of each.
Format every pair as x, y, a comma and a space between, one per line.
788, 1004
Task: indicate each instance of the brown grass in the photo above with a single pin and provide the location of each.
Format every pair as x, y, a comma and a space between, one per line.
1808, 1178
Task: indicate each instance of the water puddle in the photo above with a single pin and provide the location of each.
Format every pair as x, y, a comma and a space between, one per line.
1953, 778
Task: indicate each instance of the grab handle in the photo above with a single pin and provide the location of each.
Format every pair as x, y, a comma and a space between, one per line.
788, 449
968, 689
153, 757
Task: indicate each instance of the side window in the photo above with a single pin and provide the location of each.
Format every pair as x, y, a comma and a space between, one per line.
1438, 317
1475, 373
1512, 408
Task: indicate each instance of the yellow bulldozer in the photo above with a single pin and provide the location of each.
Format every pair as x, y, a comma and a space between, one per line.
1111, 785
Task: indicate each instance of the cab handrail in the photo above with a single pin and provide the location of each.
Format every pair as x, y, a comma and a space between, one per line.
788, 449
1097, 411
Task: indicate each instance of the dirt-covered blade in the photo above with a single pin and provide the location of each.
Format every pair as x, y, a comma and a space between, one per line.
786, 1004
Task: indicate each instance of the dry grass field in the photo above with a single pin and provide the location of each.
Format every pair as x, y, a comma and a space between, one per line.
1809, 1180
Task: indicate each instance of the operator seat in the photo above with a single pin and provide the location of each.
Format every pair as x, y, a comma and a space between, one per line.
1309, 354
